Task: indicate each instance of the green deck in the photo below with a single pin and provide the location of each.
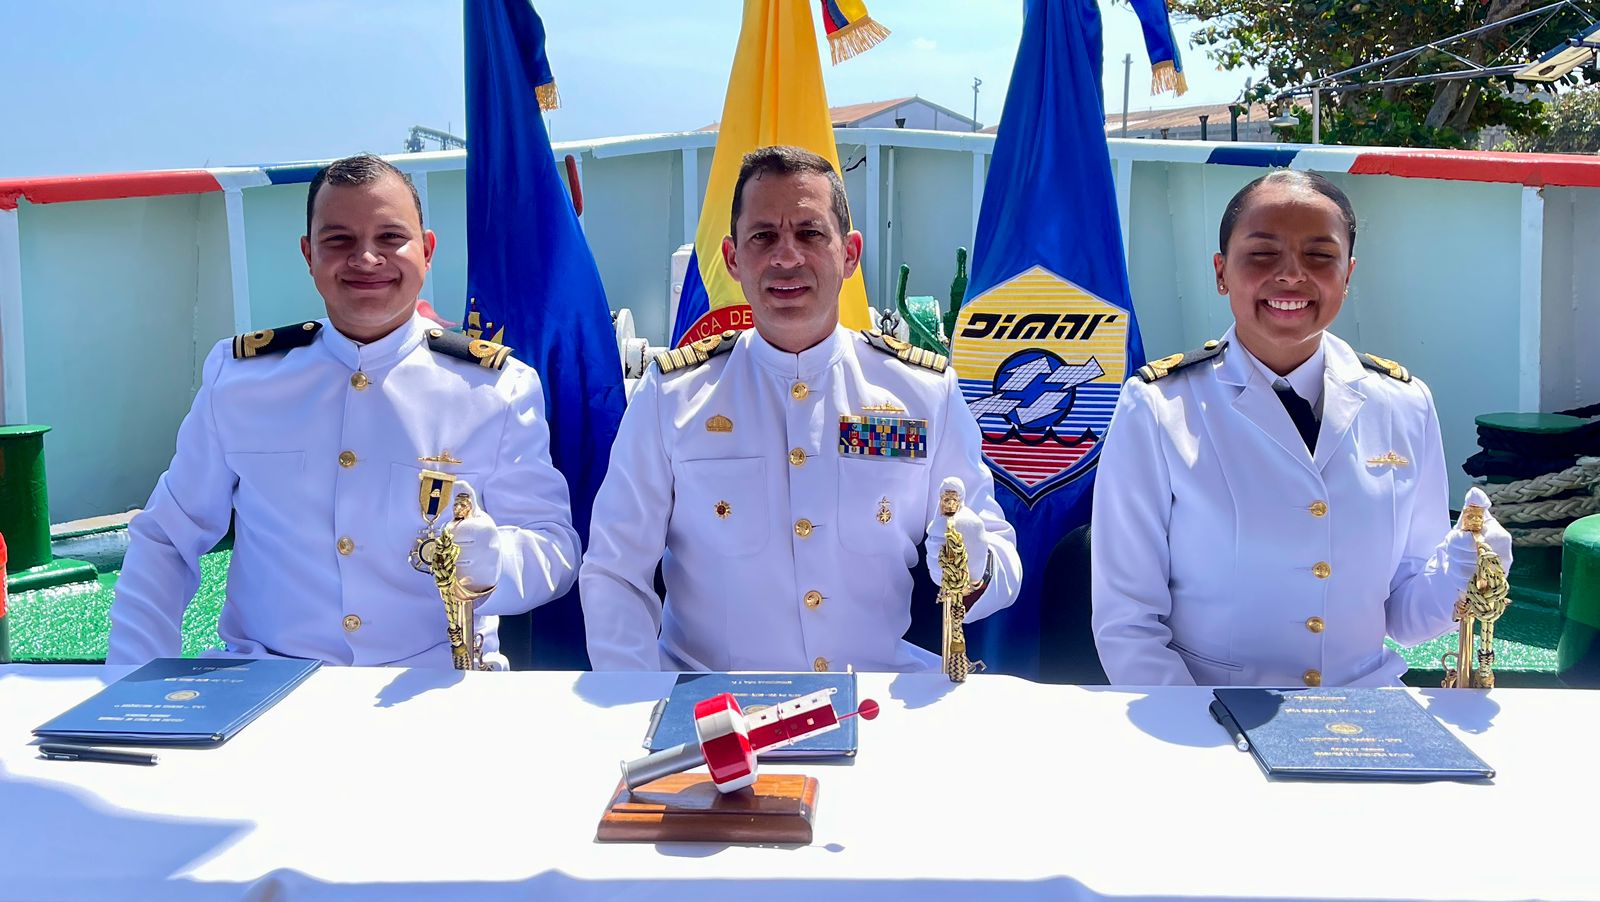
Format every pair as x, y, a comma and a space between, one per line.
69, 623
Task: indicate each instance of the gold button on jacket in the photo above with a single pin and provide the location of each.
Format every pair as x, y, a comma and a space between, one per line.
1318, 508
799, 391
359, 381
797, 457
820, 665
1312, 678
1322, 570
1314, 624
813, 599
802, 528
346, 545
351, 623
347, 459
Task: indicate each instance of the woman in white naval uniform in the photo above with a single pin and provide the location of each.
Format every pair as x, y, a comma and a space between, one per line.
1243, 536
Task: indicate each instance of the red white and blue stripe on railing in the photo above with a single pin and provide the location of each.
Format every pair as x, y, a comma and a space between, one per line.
1535, 170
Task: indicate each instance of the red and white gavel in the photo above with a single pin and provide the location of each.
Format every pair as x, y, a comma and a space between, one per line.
729, 741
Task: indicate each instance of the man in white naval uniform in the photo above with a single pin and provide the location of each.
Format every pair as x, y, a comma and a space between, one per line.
785, 476
313, 439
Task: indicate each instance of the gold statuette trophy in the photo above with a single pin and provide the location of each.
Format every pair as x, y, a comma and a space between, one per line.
436, 553
1484, 600
953, 589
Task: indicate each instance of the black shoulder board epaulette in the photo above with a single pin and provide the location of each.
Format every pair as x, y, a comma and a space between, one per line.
475, 350
1385, 366
906, 351
1160, 369
696, 352
274, 341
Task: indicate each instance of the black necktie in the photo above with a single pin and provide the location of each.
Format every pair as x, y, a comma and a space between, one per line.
1299, 411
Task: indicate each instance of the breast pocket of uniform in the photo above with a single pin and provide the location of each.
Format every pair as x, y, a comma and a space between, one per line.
723, 502
403, 511
882, 506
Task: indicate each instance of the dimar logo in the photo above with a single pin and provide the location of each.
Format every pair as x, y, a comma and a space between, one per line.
1041, 362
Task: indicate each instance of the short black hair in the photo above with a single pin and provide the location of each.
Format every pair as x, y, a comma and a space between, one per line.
784, 159
1299, 178
361, 169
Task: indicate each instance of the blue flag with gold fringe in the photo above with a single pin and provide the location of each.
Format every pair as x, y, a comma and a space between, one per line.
530, 269
1046, 334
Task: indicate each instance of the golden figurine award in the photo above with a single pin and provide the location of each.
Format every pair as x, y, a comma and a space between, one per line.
953, 590
1487, 596
437, 551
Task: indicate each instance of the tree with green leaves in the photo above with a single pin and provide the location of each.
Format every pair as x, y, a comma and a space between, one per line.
1297, 41
1571, 125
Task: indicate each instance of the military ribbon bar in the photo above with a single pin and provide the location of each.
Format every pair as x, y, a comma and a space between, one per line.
883, 436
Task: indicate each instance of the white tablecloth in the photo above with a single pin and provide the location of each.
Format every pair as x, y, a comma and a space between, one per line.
386, 784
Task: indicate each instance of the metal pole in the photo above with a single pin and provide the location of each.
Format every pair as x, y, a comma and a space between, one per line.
1127, 72
1203, 127
1316, 116
976, 81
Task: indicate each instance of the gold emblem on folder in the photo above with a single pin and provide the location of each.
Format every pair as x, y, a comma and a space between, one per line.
1389, 459
719, 423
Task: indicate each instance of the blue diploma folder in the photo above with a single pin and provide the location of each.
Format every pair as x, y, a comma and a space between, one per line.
1348, 734
672, 723
180, 702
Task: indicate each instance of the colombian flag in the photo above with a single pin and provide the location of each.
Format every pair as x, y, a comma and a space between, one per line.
775, 96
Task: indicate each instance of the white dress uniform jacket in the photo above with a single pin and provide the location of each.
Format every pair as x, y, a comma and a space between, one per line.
1224, 553
315, 453
781, 552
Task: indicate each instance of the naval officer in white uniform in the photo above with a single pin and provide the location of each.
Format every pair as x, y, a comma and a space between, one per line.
1271, 506
785, 476
312, 438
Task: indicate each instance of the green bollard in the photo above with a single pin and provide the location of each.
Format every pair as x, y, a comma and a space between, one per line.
25, 515
24, 500
1578, 651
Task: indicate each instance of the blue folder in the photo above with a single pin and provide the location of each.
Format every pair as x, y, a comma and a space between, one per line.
1348, 734
180, 702
672, 722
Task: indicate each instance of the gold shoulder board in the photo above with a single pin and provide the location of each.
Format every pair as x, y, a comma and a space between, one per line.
484, 353
696, 352
906, 352
1384, 365
274, 341
1166, 366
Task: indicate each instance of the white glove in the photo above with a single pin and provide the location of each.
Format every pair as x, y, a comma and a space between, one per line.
969, 525
479, 564
1462, 546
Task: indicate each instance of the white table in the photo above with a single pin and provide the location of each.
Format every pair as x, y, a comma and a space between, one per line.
386, 784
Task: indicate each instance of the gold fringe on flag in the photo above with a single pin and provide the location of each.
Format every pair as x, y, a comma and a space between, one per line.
549, 97
856, 38
1164, 76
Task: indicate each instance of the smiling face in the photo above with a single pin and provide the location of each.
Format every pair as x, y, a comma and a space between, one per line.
789, 256
1286, 269
368, 253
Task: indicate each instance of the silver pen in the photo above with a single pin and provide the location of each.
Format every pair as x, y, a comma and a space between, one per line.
1219, 712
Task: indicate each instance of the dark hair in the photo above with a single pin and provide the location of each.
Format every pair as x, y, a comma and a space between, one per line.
1299, 178
361, 169
782, 159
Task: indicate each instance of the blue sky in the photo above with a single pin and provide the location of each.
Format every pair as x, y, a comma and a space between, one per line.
108, 85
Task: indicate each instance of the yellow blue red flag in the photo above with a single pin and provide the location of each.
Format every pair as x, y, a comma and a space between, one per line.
1047, 334
775, 96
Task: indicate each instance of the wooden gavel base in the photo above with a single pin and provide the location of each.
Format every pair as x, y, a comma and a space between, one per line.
779, 808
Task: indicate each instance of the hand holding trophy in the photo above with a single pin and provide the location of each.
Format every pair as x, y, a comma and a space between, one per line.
469, 541
1480, 546
956, 544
